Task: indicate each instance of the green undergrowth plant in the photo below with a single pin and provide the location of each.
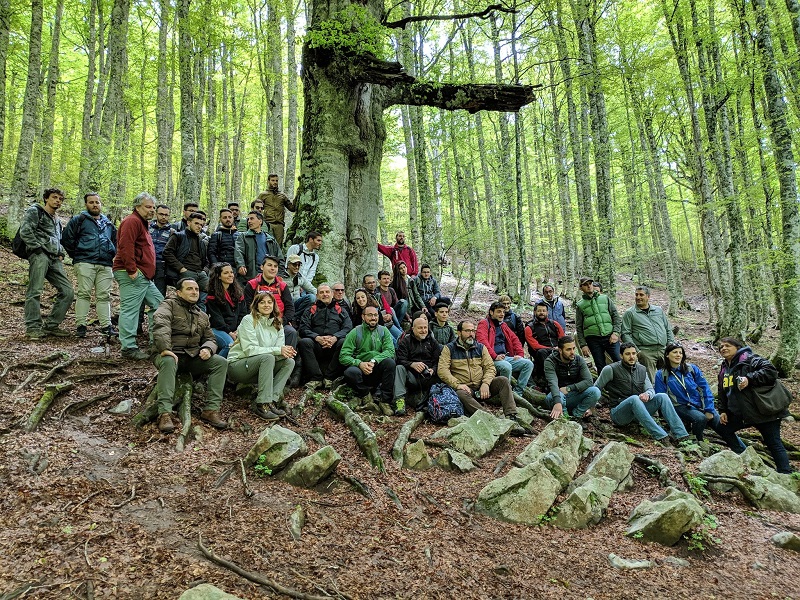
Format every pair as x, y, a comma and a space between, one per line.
702, 538
261, 468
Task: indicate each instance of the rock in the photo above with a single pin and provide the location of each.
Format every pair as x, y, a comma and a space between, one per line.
123, 408
787, 540
450, 460
206, 591
623, 563
563, 436
415, 456
521, 496
676, 562
478, 435
773, 490
586, 504
309, 471
665, 519
587, 446
457, 420
772, 496
627, 483
524, 417
279, 446
613, 461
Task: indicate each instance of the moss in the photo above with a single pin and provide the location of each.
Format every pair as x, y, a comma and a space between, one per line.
353, 30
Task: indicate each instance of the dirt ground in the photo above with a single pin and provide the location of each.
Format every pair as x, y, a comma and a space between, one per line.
92, 507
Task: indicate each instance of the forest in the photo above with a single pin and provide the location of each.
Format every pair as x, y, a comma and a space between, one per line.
516, 142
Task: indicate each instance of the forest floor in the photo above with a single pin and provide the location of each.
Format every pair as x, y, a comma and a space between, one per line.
91, 506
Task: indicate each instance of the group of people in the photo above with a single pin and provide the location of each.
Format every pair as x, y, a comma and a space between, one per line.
243, 312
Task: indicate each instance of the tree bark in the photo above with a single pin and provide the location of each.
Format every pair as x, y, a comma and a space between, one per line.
51, 86
5, 27
163, 100
188, 181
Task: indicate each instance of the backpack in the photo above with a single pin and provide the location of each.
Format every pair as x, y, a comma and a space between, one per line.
18, 246
443, 404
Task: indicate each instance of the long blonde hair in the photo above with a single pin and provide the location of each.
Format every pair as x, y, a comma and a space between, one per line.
277, 323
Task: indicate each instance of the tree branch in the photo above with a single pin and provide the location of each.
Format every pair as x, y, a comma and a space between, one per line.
481, 15
471, 97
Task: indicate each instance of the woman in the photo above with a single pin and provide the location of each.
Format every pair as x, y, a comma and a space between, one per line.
225, 305
690, 393
741, 369
405, 291
361, 300
261, 354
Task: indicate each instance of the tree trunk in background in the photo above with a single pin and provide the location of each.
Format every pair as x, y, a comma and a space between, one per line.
274, 49
211, 108
465, 192
786, 354
163, 99
22, 167
88, 97
188, 181
199, 76
519, 152
5, 26
290, 177
406, 55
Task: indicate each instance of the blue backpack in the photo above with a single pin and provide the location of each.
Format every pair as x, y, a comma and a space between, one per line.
443, 404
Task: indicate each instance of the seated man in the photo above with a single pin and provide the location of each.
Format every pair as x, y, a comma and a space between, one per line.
303, 293
269, 281
466, 366
368, 355
542, 336
339, 298
633, 398
389, 297
323, 327
570, 382
513, 320
440, 327
387, 317
428, 289
504, 347
417, 361
184, 341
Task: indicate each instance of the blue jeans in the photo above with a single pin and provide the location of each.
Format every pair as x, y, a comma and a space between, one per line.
598, 346
42, 267
520, 368
633, 409
132, 292
400, 310
695, 419
770, 431
302, 304
224, 342
576, 403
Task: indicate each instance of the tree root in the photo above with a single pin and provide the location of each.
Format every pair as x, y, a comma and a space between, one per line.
83, 404
89, 376
130, 498
535, 411
361, 431
746, 489
358, 486
31, 376
405, 431
656, 468
258, 578
184, 392
50, 394
149, 411
59, 367
390, 492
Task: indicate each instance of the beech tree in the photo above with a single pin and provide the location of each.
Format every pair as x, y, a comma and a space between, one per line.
347, 87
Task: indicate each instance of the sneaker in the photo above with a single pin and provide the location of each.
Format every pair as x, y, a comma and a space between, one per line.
262, 410
165, 424
679, 441
663, 442
109, 331
35, 334
80, 332
275, 410
212, 418
133, 354
399, 407
56, 332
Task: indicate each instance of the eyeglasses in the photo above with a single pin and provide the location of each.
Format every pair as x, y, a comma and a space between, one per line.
338, 289
468, 330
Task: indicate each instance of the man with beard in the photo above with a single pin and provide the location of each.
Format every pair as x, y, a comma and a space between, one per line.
185, 254
542, 336
401, 252
222, 242
274, 203
570, 382
90, 239
504, 347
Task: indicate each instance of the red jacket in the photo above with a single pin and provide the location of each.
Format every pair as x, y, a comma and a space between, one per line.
405, 253
486, 334
135, 250
278, 289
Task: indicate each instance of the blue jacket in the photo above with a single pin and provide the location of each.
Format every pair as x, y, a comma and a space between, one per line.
690, 389
90, 240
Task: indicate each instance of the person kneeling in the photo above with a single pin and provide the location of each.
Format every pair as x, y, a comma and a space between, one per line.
185, 342
261, 354
629, 375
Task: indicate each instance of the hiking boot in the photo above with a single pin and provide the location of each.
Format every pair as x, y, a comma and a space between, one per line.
56, 332
662, 442
275, 410
212, 418
109, 331
165, 423
34, 334
262, 410
679, 441
80, 332
399, 407
133, 354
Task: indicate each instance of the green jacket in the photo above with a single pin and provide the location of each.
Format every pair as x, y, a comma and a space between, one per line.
646, 328
361, 345
595, 315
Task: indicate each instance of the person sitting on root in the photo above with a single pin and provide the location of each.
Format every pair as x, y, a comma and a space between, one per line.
440, 327
428, 289
364, 297
570, 382
401, 284
417, 360
262, 355
512, 319
504, 347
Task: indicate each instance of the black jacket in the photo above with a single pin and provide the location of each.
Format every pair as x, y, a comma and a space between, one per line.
325, 319
759, 371
220, 247
224, 314
411, 350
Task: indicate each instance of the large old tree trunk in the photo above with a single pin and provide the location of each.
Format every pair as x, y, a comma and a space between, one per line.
346, 92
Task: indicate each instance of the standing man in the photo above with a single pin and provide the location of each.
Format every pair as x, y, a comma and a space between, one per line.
222, 242
542, 336
555, 307
504, 347
632, 397
598, 325
90, 238
160, 230
185, 254
466, 366
428, 289
185, 343
570, 382
236, 212
252, 246
322, 330
646, 326
134, 269
401, 251
308, 253
41, 231
274, 203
